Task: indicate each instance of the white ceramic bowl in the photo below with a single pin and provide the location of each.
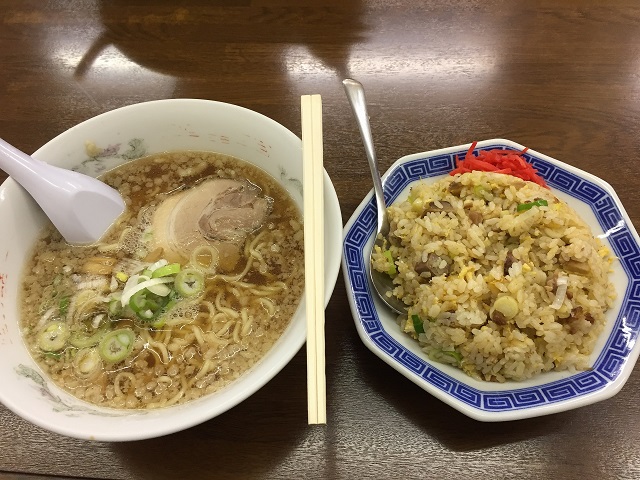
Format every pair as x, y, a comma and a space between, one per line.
615, 353
126, 133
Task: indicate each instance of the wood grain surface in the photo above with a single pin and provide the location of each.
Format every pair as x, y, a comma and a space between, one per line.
560, 77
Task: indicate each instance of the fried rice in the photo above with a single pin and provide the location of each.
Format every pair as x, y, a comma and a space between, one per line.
501, 278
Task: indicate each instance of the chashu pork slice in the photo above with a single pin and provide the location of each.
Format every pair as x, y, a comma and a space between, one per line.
218, 212
238, 211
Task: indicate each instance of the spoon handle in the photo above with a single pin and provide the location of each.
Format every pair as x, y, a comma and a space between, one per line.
355, 94
17, 164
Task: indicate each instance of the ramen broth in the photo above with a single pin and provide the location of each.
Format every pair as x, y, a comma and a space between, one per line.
193, 285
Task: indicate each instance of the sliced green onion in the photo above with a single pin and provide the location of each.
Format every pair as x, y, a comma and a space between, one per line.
536, 203
453, 354
115, 346
161, 319
138, 301
141, 306
63, 306
189, 282
115, 308
54, 337
154, 266
83, 341
418, 324
478, 190
53, 355
132, 286
158, 323
166, 270
162, 290
392, 269
146, 305
87, 361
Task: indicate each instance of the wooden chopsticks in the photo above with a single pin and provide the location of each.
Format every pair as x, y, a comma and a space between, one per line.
311, 106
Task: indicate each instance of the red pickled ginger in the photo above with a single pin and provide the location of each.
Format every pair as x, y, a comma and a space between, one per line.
509, 162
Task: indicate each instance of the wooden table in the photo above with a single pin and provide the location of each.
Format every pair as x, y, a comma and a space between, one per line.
560, 77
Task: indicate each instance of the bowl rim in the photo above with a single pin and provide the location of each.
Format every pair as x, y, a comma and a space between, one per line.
498, 404
296, 336
151, 104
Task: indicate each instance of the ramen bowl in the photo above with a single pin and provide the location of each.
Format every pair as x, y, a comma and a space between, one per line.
98, 145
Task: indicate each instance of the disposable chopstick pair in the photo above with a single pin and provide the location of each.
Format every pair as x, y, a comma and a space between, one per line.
311, 106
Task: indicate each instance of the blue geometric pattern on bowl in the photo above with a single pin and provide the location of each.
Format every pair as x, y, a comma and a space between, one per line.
614, 354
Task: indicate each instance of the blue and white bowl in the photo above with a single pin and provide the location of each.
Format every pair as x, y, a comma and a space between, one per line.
614, 355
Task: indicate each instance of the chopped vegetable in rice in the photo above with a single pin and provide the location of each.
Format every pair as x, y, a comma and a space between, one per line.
502, 279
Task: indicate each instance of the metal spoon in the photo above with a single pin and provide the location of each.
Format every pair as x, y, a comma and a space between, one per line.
382, 282
81, 207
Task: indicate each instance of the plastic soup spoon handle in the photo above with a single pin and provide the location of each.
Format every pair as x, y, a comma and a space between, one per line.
81, 207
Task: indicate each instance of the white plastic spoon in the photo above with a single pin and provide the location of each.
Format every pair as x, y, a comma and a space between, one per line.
81, 207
